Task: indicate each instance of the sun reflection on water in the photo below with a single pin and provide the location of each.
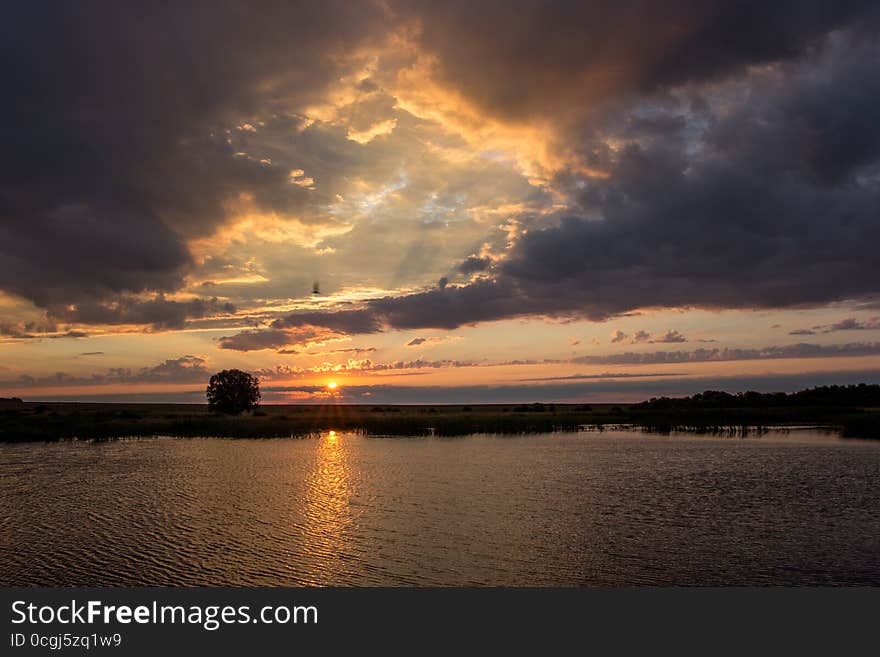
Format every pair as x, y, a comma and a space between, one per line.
328, 509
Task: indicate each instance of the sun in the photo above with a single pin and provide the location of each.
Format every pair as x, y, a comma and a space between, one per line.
332, 385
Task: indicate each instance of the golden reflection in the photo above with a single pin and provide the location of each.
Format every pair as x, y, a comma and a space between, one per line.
328, 511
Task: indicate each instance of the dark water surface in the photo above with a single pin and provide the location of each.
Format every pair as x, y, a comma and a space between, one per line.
590, 509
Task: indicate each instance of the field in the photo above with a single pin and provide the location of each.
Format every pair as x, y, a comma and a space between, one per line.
47, 421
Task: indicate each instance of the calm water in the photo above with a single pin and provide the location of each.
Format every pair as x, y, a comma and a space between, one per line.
557, 509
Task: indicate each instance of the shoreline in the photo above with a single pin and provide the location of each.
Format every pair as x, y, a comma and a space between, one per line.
53, 421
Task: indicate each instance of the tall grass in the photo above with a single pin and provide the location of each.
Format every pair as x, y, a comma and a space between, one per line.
48, 422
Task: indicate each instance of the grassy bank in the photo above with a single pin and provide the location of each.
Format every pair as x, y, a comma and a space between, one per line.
21, 422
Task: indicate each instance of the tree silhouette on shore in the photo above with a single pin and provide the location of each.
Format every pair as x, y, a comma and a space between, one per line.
232, 392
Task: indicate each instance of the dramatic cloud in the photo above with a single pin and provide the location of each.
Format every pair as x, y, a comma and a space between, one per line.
159, 312
116, 148
526, 59
34, 331
473, 264
717, 197
436, 165
344, 321
127, 138
257, 339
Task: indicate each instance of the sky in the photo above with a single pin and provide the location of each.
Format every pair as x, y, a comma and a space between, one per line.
495, 201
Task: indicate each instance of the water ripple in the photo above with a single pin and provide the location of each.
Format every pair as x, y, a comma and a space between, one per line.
557, 509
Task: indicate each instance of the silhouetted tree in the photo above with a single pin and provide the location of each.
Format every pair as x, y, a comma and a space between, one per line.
852, 396
233, 392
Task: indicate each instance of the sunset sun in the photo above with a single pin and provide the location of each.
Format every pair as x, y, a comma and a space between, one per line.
332, 385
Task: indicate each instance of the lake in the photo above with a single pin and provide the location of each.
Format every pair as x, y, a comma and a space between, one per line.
571, 509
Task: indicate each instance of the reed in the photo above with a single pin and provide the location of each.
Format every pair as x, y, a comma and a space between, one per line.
24, 422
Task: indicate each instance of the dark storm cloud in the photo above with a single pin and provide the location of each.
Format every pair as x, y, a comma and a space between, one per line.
345, 321
160, 313
530, 57
771, 202
257, 339
117, 149
79, 250
757, 217
37, 331
114, 119
302, 327
473, 264
24, 330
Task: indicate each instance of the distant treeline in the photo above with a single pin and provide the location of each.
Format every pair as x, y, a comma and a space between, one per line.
851, 396
852, 410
